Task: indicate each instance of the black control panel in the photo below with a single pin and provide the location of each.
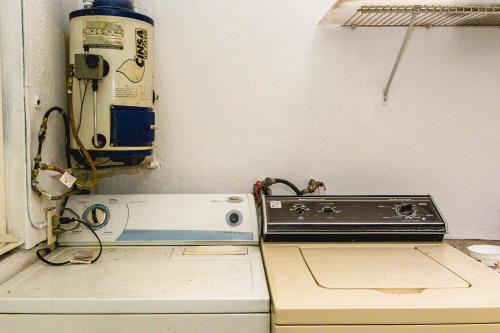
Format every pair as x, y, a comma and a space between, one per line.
351, 218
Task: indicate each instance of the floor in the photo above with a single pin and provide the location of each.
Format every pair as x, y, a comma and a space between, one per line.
462, 244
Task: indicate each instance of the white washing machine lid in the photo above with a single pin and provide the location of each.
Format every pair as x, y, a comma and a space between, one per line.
136, 280
379, 284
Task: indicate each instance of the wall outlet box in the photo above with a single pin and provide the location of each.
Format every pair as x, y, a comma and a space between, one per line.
49, 215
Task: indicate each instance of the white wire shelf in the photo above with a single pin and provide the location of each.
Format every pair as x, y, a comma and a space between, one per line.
421, 16
425, 16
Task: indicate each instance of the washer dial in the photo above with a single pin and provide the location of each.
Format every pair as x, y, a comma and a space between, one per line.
97, 216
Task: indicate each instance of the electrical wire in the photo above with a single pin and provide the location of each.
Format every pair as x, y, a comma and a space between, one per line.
40, 253
67, 140
75, 214
82, 100
80, 89
66, 209
77, 225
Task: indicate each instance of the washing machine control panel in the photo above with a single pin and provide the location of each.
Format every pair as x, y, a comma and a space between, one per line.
351, 218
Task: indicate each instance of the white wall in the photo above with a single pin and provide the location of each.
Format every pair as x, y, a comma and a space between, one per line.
254, 88
46, 25
33, 46
11, 48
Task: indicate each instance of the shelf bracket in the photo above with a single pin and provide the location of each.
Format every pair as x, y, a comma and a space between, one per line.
409, 30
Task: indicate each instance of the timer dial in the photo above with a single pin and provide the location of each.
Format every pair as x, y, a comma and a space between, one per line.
300, 211
97, 216
406, 210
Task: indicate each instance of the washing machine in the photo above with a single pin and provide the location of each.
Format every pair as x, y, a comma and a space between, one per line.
171, 263
371, 264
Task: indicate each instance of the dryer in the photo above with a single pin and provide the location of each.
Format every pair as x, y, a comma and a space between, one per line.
332, 268
171, 263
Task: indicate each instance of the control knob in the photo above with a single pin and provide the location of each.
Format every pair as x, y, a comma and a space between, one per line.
234, 218
96, 216
406, 210
328, 210
300, 211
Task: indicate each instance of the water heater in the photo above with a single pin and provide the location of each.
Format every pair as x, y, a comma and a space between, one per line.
112, 61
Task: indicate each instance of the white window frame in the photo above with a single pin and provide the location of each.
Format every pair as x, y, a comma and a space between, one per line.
7, 241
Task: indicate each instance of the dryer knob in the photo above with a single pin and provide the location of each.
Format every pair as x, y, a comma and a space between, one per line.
234, 218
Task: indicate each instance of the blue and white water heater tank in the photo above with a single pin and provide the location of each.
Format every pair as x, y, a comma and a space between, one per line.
111, 49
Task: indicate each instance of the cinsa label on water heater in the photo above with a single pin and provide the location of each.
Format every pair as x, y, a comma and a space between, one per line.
103, 34
135, 68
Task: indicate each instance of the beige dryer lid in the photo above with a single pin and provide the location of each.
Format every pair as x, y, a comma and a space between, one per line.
378, 268
363, 284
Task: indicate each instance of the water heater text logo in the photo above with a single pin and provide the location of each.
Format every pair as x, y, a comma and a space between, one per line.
141, 45
134, 69
103, 35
